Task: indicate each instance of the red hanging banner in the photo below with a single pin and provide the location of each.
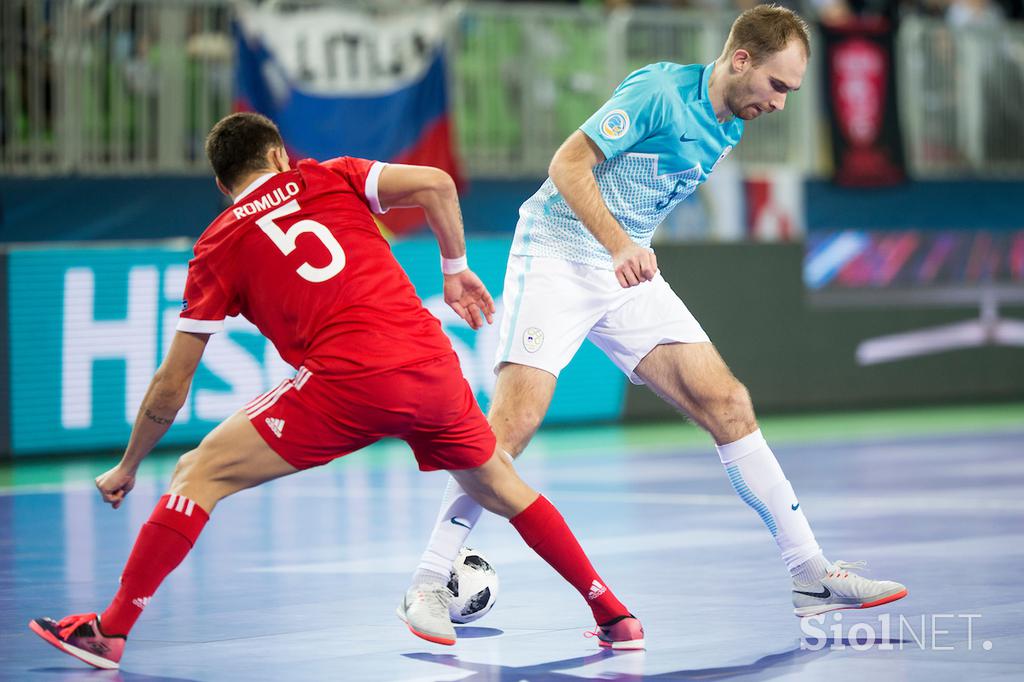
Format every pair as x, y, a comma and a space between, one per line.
867, 146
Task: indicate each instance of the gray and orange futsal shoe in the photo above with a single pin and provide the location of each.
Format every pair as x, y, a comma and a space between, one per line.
621, 634
424, 609
841, 588
80, 636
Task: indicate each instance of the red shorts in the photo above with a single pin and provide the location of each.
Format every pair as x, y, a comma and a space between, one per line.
310, 420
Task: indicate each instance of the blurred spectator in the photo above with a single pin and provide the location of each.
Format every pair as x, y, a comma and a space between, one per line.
1014, 8
616, 4
833, 12
974, 13
957, 12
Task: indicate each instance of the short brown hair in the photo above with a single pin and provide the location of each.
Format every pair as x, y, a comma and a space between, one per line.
238, 144
766, 29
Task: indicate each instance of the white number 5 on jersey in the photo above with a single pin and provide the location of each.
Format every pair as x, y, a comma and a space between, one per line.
285, 240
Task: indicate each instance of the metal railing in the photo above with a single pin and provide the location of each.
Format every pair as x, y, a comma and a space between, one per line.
111, 87
132, 86
961, 93
526, 76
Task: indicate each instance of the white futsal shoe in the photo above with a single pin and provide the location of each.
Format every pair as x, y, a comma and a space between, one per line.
425, 610
842, 589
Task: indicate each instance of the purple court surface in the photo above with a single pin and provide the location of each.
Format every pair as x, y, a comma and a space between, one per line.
298, 580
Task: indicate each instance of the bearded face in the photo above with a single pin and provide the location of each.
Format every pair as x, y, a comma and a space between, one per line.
755, 89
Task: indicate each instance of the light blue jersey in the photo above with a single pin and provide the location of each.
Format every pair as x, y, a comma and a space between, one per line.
660, 139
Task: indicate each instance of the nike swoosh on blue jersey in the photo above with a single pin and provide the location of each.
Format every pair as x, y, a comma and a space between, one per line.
684, 138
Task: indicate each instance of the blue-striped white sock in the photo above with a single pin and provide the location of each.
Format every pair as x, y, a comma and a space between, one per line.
757, 478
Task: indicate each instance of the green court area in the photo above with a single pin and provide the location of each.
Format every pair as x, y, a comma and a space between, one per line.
659, 439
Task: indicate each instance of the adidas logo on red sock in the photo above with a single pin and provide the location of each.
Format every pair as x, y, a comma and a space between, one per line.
141, 602
180, 503
596, 590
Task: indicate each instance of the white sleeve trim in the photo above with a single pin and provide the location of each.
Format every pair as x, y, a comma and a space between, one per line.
371, 187
200, 326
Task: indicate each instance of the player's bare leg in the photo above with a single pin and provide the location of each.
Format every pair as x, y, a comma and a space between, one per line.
496, 486
231, 458
694, 379
521, 398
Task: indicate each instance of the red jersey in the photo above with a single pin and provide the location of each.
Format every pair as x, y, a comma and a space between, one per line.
300, 256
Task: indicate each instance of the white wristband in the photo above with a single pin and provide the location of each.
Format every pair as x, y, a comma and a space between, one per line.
453, 266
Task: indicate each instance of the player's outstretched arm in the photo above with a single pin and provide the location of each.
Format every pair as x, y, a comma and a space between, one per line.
434, 191
164, 397
572, 171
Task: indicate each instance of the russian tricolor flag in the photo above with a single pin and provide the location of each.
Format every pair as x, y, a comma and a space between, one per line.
345, 83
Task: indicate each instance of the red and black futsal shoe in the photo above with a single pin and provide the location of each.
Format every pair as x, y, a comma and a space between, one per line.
81, 637
621, 634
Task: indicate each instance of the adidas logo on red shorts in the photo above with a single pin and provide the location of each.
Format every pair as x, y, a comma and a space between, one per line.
276, 425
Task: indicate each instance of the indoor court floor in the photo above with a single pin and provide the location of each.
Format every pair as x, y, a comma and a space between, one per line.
299, 580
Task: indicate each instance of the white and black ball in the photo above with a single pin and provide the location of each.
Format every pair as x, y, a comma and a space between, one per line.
474, 584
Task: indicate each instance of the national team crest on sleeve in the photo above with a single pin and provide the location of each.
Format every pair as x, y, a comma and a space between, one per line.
615, 124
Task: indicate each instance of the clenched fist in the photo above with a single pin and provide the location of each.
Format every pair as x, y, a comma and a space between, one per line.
634, 264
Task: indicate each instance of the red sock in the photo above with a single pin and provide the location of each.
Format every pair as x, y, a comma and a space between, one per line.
163, 542
546, 532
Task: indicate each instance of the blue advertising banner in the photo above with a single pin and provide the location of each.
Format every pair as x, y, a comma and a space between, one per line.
89, 325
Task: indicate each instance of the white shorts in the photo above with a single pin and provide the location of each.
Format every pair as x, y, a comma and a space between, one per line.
551, 305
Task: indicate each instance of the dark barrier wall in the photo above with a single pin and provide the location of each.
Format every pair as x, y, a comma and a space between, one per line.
935, 205
750, 299
81, 209
77, 209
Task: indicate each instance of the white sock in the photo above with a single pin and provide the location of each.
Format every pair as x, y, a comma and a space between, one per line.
756, 476
811, 571
458, 515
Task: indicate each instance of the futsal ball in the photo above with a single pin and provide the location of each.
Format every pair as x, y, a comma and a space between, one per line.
474, 584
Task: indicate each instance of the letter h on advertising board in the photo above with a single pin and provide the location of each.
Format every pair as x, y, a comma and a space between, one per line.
86, 340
